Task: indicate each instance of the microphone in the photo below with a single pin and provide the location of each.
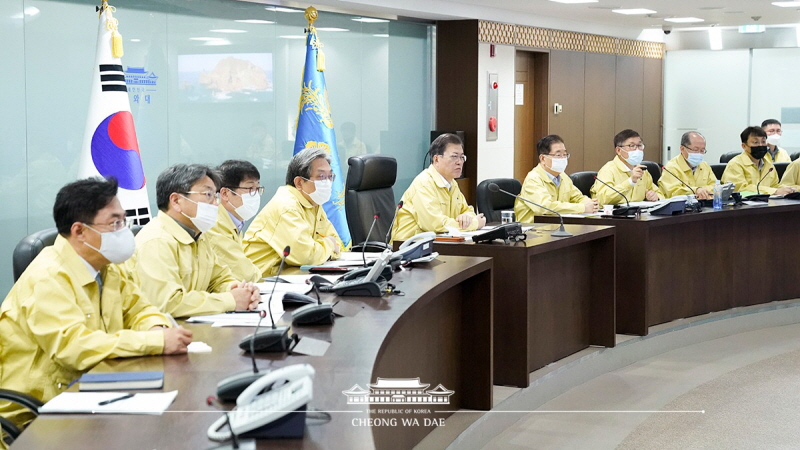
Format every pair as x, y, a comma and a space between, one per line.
758, 191
697, 206
364, 247
391, 225
275, 339
676, 177
620, 211
561, 232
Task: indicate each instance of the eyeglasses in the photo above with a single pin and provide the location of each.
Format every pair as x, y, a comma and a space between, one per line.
456, 157
114, 226
250, 190
633, 146
695, 150
560, 155
321, 177
211, 197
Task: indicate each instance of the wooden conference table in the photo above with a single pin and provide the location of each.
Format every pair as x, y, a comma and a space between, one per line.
439, 331
672, 267
552, 296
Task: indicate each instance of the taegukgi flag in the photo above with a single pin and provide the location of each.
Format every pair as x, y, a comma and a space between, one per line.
110, 147
315, 125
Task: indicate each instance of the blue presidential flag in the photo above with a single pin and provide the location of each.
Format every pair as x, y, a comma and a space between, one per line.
315, 127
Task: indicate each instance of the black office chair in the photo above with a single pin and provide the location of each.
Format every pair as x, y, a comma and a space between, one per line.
718, 170
10, 431
794, 155
368, 191
654, 169
780, 168
492, 203
29, 247
724, 159
584, 181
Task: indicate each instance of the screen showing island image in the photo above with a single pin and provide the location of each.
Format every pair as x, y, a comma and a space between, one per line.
225, 77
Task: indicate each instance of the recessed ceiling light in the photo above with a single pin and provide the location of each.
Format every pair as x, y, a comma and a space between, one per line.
136, 40
381, 35
227, 30
786, 4
746, 29
332, 29
216, 42
684, 20
253, 21
634, 11
204, 38
368, 20
574, 1
282, 9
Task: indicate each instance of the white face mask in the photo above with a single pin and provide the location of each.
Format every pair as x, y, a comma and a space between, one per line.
250, 205
558, 164
115, 246
695, 159
774, 139
206, 215
635, 157
323, 191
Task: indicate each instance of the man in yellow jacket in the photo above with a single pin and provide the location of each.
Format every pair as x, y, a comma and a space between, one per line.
774, 133
73, 308
688, 166
434, 202
750, 171
295, 217
240, 200
174, 263
548, 186
625, 173
791, 177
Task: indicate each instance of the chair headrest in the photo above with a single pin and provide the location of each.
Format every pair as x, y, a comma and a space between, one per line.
371, 172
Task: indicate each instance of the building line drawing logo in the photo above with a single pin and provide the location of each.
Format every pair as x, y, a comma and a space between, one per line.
408, 391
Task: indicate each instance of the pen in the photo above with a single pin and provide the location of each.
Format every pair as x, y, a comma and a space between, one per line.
110, 401
172, 320
243, 312
321, 234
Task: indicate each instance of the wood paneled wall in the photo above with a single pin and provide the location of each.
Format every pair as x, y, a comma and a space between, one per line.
601, 94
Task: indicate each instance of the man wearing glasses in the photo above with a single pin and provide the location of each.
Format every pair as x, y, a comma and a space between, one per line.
73, 307
689, 167
434, 202
626, 173
240, 198
773, 129
547, 184
174, 263
295, 217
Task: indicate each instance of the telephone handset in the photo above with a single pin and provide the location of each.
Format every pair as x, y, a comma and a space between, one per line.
267, 400
366, 282
416, 246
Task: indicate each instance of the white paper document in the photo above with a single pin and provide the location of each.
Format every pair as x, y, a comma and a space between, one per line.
154, 403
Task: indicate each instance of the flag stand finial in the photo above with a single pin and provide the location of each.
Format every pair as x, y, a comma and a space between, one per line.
311, 15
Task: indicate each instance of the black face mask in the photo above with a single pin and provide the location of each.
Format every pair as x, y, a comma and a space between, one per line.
758, 151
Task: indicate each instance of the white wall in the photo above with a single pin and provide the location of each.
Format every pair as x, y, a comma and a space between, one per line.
775, 86
496, 158
707, 91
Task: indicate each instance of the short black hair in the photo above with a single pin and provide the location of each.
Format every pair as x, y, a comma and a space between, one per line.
439, 145
544, 144
623, 136
81, 200
770, 122
233, 171
180, 178
752, 131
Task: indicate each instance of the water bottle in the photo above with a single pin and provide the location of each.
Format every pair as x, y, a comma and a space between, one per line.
717, 196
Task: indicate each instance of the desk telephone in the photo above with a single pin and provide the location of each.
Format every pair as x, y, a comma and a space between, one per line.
368, 282
276, 399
